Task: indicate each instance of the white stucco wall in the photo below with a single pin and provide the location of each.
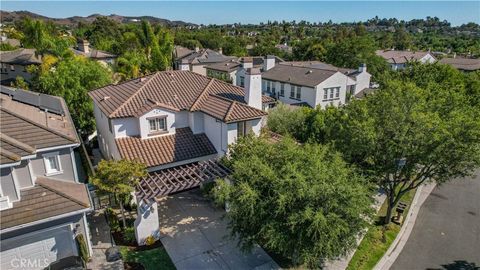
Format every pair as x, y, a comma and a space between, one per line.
145, 127
428, 59
125, 127
216, 132
336, 80
200, 69
106, 139
307, 93
196, 122
363, 81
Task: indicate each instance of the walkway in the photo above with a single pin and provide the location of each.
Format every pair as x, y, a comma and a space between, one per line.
446, 234
101, 240
194, 236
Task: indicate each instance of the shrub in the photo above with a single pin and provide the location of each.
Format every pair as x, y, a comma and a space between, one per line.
112, 220
82, 247
129, 235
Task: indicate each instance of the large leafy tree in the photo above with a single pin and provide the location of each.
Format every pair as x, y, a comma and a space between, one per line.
119, 177
72, 78
301, 201
405, 135
44, 37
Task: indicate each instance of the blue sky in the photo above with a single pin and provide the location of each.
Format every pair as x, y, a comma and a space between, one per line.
220, 12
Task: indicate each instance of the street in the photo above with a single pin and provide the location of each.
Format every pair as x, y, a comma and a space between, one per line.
446, 234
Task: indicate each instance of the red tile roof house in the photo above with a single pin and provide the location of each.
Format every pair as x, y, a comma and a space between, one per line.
177, 123
399, 59
42, 203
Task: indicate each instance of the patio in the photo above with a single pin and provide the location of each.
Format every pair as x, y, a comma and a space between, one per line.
196, 237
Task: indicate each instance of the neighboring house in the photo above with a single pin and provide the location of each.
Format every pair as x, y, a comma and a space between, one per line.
399, 59
197, 60
463, 64
313, 83
83, 48
263, 63
177, 123
226, 71
284, 48
42, 203
14, 64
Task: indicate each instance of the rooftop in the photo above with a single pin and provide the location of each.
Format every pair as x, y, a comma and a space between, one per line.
203, 56
400, 57
467, 64
48, 198
298, 74
179, 90
27, 125
20, 57
94, 54
183, 145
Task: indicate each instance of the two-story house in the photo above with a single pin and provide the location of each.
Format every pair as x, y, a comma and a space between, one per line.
313, 83
196, 60
175, 122
83, 49
42, 204
14, 64
399, 59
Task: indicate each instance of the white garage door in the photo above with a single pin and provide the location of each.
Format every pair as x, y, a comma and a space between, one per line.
37, 250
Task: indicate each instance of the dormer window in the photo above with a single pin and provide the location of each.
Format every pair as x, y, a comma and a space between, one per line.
157, 124
52, 164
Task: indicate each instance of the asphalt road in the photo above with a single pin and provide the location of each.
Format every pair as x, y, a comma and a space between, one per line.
446, 234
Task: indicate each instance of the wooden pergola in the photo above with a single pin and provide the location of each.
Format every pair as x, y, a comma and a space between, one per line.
179, 178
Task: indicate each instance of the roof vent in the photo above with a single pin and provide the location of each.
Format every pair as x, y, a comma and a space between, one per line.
105, 98
141, 79
309, 72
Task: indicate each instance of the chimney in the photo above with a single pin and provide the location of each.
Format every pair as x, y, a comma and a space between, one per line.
197, 49
220, 51
247, 62
269, 62
362, 68
253, 88
84, 46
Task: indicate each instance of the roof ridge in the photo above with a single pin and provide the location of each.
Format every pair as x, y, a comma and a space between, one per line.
229, 111
38, 125
9, 154
60, 192
195, 103
19, 144
134, 94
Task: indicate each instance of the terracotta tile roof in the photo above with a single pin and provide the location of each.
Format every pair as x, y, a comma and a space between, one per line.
182, 145
400, 57
26, 128
467, 64
48, 198
182, 90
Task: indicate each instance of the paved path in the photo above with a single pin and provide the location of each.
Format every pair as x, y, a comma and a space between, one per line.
101, 240
194, 236
446, 234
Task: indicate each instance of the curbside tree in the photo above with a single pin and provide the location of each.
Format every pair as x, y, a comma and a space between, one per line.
300, 201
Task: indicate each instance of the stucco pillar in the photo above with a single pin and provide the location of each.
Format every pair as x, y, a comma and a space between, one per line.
147, 222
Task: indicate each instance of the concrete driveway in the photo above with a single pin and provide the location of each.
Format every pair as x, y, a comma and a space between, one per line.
195, 236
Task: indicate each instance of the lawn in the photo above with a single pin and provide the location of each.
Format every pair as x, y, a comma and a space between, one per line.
151, 259
375, 243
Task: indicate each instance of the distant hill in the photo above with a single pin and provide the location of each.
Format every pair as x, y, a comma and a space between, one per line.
10, 17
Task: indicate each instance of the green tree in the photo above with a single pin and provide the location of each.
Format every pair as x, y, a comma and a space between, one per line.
302, 202
285, 120
119, 177
435, 132
72, 78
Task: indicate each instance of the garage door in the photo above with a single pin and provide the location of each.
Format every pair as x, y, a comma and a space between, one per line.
37, 250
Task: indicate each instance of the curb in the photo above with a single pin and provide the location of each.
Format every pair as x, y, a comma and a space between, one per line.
397, 245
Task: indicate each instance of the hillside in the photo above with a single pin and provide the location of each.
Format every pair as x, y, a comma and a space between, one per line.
10, 17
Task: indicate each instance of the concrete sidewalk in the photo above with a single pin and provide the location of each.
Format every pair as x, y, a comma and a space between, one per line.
101, 240
396, 247
195, 236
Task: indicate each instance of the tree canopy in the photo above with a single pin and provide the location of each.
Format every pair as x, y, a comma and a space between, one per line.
303, 202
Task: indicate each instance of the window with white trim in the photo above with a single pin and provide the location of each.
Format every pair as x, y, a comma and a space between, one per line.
242, 81
158, 124
282, 89
299, 92
292, 91
329, 93
52, 164
337, 92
